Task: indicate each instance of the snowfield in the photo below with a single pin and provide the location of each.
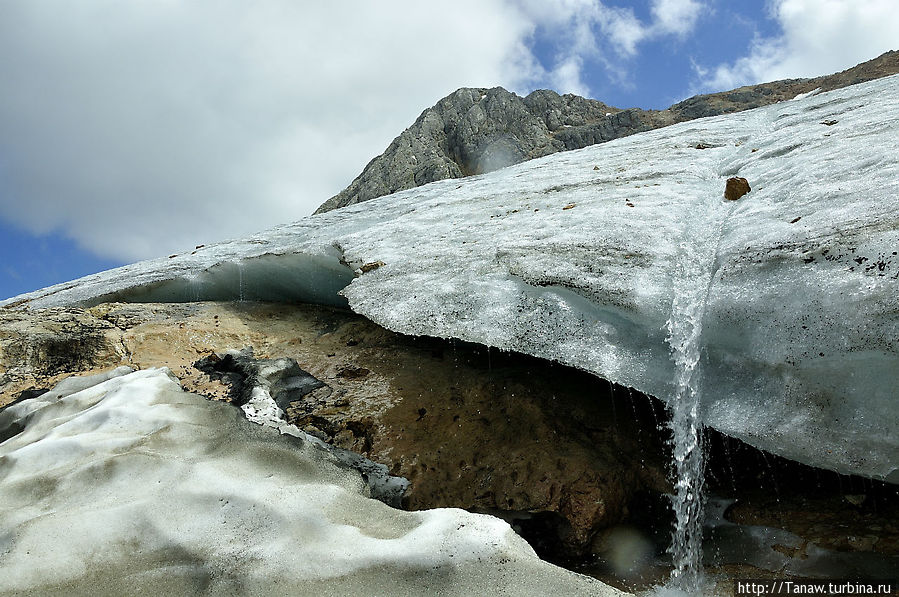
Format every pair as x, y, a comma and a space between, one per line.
579, 256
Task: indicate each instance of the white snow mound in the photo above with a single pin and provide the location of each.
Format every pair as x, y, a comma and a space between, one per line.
132, 486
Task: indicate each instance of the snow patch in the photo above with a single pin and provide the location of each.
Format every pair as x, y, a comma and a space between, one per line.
133, 486
814, 91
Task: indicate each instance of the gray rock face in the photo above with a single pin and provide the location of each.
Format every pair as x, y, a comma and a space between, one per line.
473, 131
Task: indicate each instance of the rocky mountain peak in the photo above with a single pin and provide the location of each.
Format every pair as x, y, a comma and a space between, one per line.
477, 130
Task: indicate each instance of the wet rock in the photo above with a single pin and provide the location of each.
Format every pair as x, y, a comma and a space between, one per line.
282, 378
856, 499
822, 524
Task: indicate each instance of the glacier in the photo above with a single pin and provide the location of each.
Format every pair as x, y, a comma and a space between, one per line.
574, 258
124, 484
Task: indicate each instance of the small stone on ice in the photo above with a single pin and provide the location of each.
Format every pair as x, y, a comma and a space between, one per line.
371, 266
736, 187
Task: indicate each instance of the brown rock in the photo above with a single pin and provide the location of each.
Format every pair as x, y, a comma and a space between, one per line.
350, 372
40, 350
736, 187
371, 266
495, 432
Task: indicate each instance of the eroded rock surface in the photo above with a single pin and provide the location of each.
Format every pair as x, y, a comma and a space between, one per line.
39, 351
468, 428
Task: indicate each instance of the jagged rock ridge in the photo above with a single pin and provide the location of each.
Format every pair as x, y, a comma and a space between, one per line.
475, 130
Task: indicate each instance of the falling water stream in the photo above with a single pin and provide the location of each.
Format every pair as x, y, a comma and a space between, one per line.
695, 269
240, 280
684, 330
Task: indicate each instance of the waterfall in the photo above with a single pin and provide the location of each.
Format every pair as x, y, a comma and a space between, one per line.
684, 330
693, 274
240, 281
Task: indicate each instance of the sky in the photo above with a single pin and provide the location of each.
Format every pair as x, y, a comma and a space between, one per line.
134, 130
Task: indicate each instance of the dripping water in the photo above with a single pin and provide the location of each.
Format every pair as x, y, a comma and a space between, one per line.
612, 400
630, 397
655, 415
195, 288
773, 475
240, 281
730, 465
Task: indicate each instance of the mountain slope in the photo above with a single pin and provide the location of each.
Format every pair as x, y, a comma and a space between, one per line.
472, 131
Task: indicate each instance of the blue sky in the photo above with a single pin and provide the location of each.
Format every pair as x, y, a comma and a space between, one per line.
31, 261
135, 130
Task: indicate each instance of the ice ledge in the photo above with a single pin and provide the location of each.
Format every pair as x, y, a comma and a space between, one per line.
570, 258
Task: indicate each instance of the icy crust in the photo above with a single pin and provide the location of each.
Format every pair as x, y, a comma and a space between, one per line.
133, 487
571, 257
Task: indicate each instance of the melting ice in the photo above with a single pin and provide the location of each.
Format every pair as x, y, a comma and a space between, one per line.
800, 334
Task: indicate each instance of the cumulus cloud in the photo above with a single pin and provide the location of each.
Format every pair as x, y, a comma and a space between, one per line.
602, 33
142, 128
678, 17
817, 37
624, 30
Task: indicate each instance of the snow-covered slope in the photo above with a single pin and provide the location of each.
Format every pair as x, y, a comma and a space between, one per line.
579, 256
130, 486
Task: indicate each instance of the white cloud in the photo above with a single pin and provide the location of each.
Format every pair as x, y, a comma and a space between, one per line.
143, 128
676, 16
566, 76
818, 37
593, 31
624, 30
